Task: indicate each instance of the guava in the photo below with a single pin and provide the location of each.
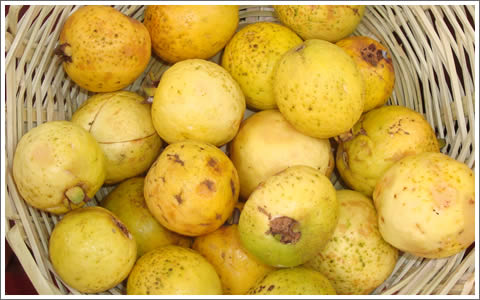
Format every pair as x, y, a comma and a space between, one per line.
58, 166
289, 217
92, 250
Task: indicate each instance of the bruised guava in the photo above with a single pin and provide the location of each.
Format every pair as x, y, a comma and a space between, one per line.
122, 125
92, 250
126, 201
381, 137
102, 49
237, 268
375, 64
266, 144
293, 281
58, 166
173, 270
356, 259
325, 22
192, 188
289, 217
426, 205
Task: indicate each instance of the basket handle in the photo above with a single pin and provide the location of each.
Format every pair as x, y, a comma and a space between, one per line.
41, 284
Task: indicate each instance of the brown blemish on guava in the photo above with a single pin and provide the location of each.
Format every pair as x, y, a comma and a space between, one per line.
179, 198
232, 186
419, 228
212, 162
176, 158
218, 216
263, 211
270, 288
372, 55
345, 159
284, 227
300, 48
60, 51
163, 179
122, 227
470, 201
209, 184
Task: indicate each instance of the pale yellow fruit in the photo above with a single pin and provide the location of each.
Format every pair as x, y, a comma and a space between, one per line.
290, 217
102, 49
92, 250
293, 281
182, 32
356, 259
319, 89
197, 100
325, 22
58, 166
121, 123
375, 64
267, 144
173, 270
379, 139
426, 205
126, 201
191, 188
237, 268
251, 56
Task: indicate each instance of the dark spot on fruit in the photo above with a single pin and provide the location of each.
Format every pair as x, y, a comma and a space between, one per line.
179, 198
175, 158
163, 179
218, 216
299, 48
270, 288
395, 196
371, 55
263, 211
232, 186
382, 219
212, 162
471, 201
60, 51
345, 159
205, 224
419, 228
122, 227
209, 184
284, 228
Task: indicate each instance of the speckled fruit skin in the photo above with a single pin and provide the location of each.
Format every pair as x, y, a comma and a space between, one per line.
237, 268
127, 202
379, 139
108, 50
266, 144
299, 203
325, 22
375, 64
426, 205
92, 250
356, 259
293, 281
192, 188
182, 32
54, 157
122, 125
319, 89
197, 100
173, 270
251, 56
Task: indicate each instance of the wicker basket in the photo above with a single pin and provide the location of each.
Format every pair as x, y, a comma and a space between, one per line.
433, 55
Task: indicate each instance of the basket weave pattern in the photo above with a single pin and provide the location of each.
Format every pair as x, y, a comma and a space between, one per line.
433, 54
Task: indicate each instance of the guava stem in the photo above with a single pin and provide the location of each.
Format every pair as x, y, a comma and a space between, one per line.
75, 194
60, 51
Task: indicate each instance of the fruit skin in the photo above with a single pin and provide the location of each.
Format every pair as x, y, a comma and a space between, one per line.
426, 205
191, 188
325, 22
126, 201
251, 56
356, 259
122, 125
379, 139
54, 157
173, 270
197, 100
237, 268
266, 144
293, 281
319, 89
290, 217
375, 64
181, 32
106, 50
92, 250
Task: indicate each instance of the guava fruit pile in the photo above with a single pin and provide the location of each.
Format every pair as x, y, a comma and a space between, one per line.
222, 172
